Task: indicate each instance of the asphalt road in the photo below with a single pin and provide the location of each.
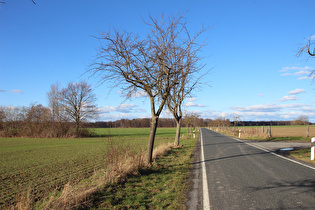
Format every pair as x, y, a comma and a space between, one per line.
240, 176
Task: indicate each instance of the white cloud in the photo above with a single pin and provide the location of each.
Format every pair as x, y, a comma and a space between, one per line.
122, 111
286, 74
1, 91
122, 108
261, 95
263, 108
312, 37
258, 108
191, 99
16, 91
296, 91
267, 112
300, 72
139, 94
289, 98
192, 104
301, 78
295, 68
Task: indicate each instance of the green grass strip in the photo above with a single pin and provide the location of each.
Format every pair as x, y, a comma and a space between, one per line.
162, 186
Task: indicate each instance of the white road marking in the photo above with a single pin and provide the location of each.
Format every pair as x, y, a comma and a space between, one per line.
267, 150
206, 199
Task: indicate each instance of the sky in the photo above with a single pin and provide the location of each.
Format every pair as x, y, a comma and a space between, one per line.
251, 54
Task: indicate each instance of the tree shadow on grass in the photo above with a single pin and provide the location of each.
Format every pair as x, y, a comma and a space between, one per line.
137, 190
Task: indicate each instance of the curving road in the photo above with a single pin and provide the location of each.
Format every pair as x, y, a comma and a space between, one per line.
238, 175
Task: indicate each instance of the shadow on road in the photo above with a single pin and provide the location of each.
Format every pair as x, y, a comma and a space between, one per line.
307, 185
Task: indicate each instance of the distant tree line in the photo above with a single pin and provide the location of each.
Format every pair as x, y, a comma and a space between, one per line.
68, 108
145, 123
190, 122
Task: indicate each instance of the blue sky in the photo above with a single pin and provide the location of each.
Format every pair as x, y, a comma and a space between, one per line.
251, 52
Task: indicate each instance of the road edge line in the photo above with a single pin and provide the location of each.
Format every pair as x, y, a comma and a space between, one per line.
267, 150
205, 190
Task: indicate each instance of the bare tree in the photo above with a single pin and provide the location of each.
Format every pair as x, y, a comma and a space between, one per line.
308, 49
78, 102
301, 120
187, 78
146, 64
3, 2
54, 102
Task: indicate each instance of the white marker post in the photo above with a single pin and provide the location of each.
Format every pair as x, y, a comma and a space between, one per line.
239, 133
312, 148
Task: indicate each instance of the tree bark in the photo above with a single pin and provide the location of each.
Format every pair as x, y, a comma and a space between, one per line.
154, 122
77, 126
177, 137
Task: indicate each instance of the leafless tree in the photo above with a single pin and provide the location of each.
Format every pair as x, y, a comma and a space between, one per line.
55, 103
191, 120
78, 101
148, 64
308, 49
301, 120
188, 78
3, 2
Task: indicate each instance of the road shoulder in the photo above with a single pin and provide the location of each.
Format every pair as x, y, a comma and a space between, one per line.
194, 194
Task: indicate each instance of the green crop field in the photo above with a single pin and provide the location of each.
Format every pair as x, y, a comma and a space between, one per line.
44, 165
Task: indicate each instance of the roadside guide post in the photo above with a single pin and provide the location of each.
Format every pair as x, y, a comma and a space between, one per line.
312, 148
239, 133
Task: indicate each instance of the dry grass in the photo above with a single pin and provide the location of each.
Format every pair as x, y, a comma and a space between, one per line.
292, 131
121, 163
162, 149
262, 131
26, 200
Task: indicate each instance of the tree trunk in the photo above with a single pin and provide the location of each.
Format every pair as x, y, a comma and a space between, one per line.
154, 122
187, 130
77, 125
177, 137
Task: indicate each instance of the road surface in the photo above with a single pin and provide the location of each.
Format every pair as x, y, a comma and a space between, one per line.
241, 176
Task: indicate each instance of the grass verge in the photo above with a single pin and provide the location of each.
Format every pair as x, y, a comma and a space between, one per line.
303, 154
161, 186
275, 139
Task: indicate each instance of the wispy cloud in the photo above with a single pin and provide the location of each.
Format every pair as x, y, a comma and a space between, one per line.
273, 111
16, 91
289, 98
192, 104
267, 107
296, 91
300, 72
139, 94
301, 78
312, 37
122, 111
258, 108
1, 91
191, 99
122, 108
295, 68
261, 95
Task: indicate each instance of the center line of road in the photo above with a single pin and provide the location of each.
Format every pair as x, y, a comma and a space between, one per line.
206, 199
